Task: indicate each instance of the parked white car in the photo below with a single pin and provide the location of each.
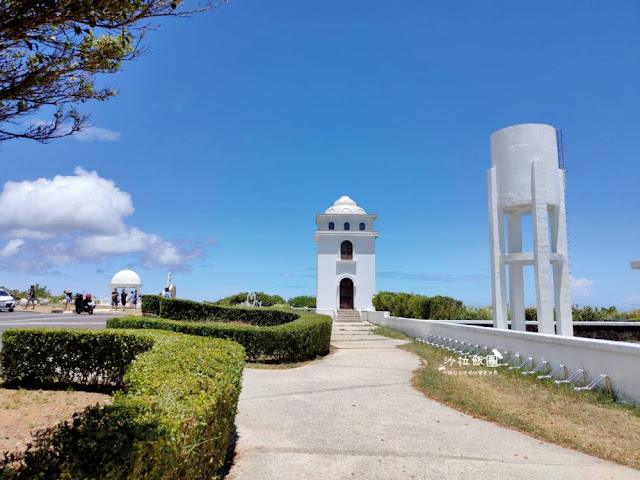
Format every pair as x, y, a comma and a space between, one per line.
7, 302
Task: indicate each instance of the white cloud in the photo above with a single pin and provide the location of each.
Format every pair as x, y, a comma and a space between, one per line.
75, 218
83, 202
90, 134
129, 241
12, 247
155, 251
580, 287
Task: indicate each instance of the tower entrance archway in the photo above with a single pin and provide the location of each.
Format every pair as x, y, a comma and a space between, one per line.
346, 294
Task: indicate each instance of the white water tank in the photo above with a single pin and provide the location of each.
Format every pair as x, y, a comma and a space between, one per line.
512, 151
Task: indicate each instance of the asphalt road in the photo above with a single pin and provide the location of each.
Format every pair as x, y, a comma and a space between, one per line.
27, 318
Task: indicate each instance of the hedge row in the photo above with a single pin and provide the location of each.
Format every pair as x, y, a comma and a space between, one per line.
190, 311
173, 418
302, 339
150, 304
35, 356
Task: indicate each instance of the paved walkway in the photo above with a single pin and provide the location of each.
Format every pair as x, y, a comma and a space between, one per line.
354, 414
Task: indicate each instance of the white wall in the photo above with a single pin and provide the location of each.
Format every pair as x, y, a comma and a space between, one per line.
362, 270
619, 360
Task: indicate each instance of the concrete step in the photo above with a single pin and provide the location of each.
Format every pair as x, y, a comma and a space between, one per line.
348, 316
338, 331
353, 328
355, 323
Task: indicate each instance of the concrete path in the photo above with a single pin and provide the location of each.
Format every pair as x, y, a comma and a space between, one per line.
355, 414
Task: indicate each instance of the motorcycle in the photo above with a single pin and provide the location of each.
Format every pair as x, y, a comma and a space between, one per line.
84, 304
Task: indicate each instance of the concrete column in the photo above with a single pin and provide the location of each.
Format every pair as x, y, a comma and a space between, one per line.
540, 222
561, 280
496, 239
516, 277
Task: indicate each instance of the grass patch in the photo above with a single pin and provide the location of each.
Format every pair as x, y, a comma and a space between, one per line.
591, 422
391, 333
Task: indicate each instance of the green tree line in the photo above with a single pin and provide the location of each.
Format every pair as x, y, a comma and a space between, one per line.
439, 307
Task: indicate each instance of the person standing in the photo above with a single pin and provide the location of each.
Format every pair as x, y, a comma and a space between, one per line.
32, 298
114, 298
67, 298
123, 298
134, 298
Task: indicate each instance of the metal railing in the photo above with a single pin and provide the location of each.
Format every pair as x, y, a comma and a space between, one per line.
515, 361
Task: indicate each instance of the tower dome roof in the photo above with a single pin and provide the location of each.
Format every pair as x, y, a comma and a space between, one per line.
345, 206
125, 278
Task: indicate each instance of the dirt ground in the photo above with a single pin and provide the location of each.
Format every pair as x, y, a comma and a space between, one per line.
23, 412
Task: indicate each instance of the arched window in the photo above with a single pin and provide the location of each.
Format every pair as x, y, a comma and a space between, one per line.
346, 250
347, 226
362, 225
332, 225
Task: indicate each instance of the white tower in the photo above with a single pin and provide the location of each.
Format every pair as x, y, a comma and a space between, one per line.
524, 179
346, 277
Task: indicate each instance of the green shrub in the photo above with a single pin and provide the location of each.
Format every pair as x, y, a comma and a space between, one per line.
150, 304
631, 315
236, 299
396, 303
476, 313
190, 311
265, 299
302, 339
269, 300
86, 357
173, 419
303, 301
445, 308
418, 306
595, 314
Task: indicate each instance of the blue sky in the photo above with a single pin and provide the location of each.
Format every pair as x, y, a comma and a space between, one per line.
242, 124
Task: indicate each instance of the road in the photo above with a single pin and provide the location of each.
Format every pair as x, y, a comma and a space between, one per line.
29, 318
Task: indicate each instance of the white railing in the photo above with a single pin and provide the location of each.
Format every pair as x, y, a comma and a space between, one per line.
619, 361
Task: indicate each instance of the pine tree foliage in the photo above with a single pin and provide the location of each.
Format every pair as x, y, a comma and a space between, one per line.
53, 51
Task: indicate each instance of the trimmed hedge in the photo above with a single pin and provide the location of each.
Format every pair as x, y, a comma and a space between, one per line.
304, 338
174, 418
190, 311
36, 356
150, 304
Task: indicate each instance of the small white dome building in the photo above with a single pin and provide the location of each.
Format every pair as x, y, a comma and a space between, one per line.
126, 279
346, 278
